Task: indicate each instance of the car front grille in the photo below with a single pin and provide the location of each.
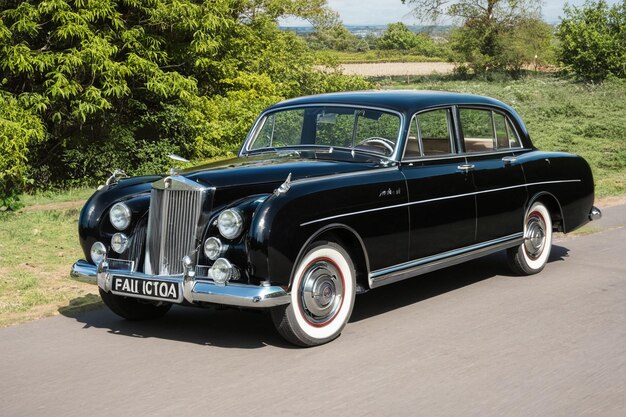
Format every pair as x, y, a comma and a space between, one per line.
174, 224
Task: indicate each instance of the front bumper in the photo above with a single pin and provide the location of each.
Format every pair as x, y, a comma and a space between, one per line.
193, 291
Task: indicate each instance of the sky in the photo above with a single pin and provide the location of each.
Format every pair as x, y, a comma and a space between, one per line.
381, 12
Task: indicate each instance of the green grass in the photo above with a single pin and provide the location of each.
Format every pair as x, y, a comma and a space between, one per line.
561, 115
50, 197
375, 56
37, 249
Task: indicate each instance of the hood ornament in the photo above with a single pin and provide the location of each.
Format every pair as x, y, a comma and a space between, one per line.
174, 157
284, 187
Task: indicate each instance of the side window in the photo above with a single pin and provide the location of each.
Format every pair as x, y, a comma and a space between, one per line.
478, 126
434, 132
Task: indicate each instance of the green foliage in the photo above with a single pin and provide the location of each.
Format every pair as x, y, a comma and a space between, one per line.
593, 40
399, 37
122, 83
19, 128
485, 45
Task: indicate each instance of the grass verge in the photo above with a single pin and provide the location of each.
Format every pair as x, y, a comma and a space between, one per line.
37, 247
374, 56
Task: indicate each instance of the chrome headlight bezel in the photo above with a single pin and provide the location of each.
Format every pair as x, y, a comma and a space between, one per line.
98, 252
230, 223
120, 216
213, 248
119, 242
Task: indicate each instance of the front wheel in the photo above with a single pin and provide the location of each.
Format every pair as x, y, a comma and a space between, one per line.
322, 297
532, 255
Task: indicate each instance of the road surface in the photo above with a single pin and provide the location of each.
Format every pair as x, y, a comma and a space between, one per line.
467, 341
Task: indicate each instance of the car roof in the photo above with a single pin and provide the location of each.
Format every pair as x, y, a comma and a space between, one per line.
404, 101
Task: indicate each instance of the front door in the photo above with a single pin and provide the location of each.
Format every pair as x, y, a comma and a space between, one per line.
441, 191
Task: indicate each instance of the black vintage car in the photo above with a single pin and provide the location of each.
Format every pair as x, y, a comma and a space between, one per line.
331, 196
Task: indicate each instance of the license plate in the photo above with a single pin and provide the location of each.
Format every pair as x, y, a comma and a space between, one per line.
162, 290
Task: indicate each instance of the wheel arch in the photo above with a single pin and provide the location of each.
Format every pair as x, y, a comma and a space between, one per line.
554, 208
351, 241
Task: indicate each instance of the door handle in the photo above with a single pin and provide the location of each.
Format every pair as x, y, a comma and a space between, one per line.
465, 167
508, 160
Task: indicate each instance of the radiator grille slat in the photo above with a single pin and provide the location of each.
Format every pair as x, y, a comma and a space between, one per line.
172, 227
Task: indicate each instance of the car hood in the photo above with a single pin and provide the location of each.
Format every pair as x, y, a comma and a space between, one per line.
270, 169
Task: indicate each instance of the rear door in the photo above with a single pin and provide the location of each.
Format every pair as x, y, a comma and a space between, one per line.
442, 207
490, 143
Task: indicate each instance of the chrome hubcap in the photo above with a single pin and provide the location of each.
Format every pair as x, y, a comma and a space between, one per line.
321, 292
535, 238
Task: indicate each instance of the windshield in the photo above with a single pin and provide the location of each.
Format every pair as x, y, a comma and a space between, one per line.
347, 127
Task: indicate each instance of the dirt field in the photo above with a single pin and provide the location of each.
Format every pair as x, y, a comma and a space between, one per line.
397, 68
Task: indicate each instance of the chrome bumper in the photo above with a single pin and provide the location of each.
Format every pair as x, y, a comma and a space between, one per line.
595, 213
193, 291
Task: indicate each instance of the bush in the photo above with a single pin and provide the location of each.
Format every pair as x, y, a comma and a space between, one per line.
97, 85
593, 40
19, 129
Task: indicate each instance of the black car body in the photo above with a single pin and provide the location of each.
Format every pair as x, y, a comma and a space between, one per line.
332, 195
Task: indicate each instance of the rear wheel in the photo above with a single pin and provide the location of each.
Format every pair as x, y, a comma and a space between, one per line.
322, 297
532, 255
132, 308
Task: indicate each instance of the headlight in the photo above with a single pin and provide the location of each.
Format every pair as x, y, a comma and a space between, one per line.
221, 271
120, 216
213, 248
119, 242
230, 223
98, 252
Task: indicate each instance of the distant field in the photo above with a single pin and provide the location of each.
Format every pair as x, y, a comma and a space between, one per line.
375, 56
388, 69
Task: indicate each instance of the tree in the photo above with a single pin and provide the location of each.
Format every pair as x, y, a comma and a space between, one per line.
122, 83
593, 40
484, 26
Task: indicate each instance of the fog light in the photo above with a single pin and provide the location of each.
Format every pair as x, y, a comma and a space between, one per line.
221, 271
213, 248
98, 252
119, 242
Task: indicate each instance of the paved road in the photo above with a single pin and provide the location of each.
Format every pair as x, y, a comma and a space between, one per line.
468, 341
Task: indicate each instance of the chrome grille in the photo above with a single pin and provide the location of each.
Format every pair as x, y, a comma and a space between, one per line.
173, 224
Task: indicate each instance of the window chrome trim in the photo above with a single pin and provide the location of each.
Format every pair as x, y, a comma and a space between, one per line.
245, 148
430, 200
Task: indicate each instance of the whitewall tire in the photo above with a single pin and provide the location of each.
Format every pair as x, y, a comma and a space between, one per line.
532, 255
322, 296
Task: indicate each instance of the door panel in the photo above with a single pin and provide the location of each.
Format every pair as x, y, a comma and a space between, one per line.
440, 220
500, 212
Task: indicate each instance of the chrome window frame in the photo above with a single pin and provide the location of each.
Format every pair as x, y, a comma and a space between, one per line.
451, 119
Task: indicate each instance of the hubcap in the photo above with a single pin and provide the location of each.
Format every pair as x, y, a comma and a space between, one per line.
321, 292
535, 238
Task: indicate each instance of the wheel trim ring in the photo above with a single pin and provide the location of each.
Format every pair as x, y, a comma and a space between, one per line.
536, 223
303, 311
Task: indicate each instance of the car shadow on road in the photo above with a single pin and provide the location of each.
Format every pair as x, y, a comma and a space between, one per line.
414, 290
232, 328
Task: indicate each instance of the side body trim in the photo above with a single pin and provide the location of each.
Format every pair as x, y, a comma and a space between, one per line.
411, 203
432, 263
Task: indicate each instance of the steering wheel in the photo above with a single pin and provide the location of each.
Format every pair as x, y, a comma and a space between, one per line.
378, 141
